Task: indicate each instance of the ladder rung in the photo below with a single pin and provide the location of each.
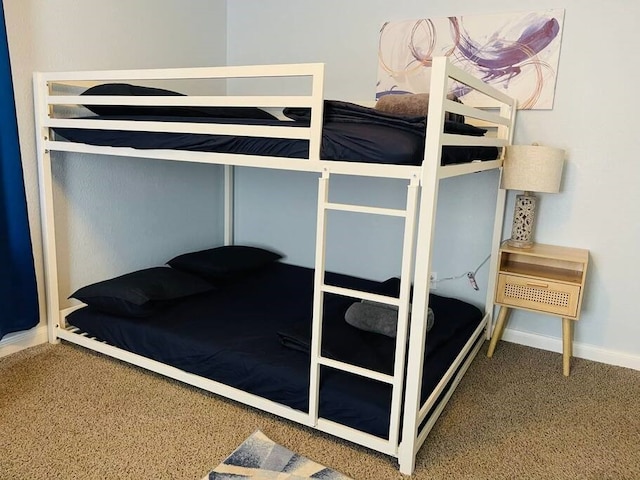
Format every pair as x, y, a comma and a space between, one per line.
363, 372
348, 292
364, 209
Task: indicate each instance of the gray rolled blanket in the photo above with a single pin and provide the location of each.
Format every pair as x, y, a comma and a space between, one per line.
378, 317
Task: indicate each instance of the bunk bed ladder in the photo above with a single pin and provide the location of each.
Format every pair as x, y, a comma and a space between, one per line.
402, 302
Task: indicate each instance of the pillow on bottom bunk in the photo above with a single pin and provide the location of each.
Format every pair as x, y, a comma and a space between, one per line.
141, 293
224, 263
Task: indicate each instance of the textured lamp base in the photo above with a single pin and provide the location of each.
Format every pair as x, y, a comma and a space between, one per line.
524, 214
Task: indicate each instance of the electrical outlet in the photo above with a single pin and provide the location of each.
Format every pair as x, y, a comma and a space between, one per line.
433, 280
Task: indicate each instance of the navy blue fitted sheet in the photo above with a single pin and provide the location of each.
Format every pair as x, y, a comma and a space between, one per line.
350, 133
234, 335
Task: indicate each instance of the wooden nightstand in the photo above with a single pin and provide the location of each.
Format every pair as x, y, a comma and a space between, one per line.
546, 279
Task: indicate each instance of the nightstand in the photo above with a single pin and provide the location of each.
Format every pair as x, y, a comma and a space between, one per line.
546, 279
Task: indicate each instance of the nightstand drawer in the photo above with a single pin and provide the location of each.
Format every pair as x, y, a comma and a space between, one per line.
541, 295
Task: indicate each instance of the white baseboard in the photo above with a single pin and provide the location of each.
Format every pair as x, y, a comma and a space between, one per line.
14, 342
580, 350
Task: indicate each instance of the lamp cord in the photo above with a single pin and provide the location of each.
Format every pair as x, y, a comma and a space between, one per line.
470, 275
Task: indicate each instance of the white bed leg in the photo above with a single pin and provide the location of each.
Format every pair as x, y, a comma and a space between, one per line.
318, 296
495, 246
406, 460
45, 180
498, 220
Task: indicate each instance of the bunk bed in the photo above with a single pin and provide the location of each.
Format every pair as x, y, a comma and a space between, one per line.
301, 360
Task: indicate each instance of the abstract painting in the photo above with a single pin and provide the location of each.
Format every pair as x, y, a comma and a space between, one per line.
516, 52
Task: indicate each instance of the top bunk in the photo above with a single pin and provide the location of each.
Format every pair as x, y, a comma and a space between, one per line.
131, 113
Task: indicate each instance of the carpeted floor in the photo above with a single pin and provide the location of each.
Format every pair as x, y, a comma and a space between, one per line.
68, 413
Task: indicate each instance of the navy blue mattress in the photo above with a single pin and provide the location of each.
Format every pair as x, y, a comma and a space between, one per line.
238, 335
350, 133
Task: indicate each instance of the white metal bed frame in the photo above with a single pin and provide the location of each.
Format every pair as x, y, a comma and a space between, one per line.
406, 434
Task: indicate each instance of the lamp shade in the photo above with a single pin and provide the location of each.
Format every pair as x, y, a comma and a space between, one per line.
532, 168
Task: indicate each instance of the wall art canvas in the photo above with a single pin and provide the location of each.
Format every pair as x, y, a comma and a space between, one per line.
516, 52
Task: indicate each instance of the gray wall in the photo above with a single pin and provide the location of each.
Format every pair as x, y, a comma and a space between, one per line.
598, 202
107, 205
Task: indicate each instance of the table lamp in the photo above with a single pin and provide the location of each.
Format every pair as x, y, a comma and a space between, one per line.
530, 168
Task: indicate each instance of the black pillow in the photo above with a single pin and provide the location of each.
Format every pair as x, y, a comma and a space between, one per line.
141, 293
223, 263
346, 112
463, 129
175, 111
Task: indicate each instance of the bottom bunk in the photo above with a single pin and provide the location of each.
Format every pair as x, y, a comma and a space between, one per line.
252, 333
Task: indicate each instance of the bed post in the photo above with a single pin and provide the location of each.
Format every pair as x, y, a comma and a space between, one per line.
507, 111
426, 223
318, 297
495, 245
407, 269
45, 178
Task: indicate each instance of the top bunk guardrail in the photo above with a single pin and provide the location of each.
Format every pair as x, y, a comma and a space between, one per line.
59, 97
53, 107
497, 115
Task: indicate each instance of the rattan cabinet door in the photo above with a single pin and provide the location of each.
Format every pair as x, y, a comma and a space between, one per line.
538, 294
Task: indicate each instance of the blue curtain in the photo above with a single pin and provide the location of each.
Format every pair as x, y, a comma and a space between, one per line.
18, 294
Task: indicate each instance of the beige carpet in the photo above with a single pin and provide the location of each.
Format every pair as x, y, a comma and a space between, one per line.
67, 413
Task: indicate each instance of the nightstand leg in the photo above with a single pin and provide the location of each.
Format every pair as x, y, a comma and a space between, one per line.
567, 345
497, 332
